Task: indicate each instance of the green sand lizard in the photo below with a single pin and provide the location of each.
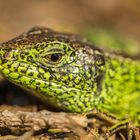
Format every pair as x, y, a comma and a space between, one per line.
69, 73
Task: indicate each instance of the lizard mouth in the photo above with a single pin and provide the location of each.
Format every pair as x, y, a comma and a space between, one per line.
22, 73
28, 76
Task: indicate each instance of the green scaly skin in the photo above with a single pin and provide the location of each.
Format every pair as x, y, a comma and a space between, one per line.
71, 74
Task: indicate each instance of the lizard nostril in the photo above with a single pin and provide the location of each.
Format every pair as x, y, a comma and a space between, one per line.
8, 55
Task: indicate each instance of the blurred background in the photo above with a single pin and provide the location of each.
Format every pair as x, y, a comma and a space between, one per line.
122, 17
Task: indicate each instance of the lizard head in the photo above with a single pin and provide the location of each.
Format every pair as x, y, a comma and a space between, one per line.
60, 68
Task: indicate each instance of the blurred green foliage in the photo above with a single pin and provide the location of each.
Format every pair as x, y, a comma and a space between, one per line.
113, 40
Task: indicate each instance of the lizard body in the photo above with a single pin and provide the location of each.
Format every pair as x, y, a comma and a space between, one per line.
71, 74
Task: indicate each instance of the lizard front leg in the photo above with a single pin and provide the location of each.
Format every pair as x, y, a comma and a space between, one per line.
124, 126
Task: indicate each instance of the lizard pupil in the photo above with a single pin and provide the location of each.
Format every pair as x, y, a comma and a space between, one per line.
55, 57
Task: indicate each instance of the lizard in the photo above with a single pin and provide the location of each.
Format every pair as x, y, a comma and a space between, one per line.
72, 74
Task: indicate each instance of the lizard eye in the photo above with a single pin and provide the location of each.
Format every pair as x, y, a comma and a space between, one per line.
51, 57
54, 57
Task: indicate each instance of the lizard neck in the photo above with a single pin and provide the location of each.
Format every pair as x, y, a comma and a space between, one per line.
122, 74
120, 92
